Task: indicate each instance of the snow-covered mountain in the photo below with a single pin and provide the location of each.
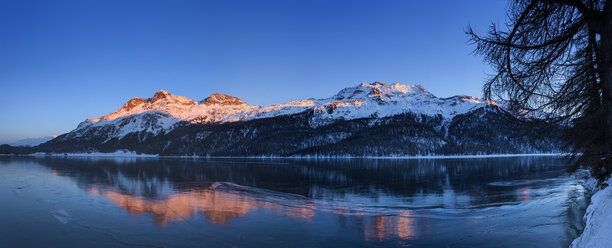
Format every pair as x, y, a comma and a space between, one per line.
32, 141
427, 122
164, 111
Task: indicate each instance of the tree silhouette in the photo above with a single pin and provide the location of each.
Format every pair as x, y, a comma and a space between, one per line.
555, 56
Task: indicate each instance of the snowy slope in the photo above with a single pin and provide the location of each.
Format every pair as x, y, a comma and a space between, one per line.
162, 112
598, 230
32, 141
375, 99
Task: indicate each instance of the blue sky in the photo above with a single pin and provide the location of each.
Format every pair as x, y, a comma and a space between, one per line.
64, 61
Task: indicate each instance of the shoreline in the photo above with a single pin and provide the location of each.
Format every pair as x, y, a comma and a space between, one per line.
597, 219
130, 154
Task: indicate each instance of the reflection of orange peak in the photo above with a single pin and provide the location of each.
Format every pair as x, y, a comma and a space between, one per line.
385, 227
218, 206
221, 206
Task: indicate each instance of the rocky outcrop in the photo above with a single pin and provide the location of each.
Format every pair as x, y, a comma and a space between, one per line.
222, 100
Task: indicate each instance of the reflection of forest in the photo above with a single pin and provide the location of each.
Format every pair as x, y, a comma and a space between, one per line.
456, 182
338, 177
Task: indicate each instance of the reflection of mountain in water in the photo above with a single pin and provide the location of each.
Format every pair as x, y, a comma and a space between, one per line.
311, 178
221, 204
385, 198
217, 206
386, 227
386, 202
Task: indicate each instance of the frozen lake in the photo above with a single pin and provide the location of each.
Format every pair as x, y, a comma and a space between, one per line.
127, 202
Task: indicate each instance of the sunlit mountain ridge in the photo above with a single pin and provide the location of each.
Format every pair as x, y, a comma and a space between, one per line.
372, 119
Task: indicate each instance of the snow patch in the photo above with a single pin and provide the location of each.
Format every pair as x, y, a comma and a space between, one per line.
62, 216
598, 230
348, 156
120, 153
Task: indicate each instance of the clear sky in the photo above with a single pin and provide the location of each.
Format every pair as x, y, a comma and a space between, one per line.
64, 61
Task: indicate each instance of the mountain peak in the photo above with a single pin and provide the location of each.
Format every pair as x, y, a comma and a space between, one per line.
403, 88
378, 90
163, 95
222, 99
133, 103
162, 100
375, 84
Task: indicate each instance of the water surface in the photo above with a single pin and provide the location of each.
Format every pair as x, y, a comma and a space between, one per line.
127, 202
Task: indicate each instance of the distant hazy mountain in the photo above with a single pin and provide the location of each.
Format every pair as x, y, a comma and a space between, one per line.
32, 141
368, 119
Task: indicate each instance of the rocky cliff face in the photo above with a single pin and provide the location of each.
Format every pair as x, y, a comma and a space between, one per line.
223, 100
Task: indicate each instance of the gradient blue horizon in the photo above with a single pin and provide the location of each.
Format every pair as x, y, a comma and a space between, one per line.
64, 61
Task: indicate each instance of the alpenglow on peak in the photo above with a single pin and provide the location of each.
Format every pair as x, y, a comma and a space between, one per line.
222, 99
378, 118
164, 111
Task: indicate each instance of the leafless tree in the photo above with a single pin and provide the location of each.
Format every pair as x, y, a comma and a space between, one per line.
555, 56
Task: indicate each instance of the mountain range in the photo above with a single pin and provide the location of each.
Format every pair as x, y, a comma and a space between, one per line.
370, 119
32, 141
